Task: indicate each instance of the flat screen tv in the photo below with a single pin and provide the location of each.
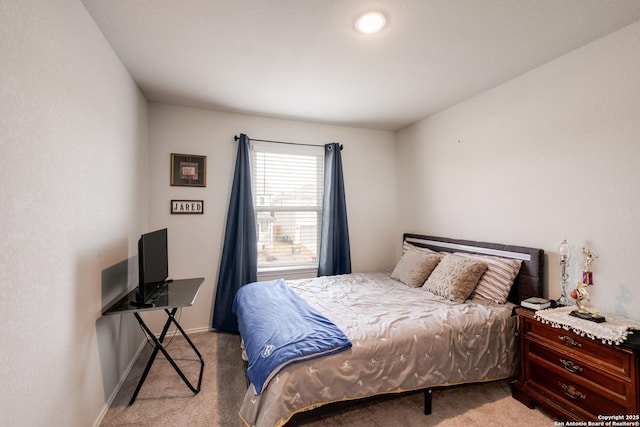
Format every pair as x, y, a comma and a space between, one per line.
153, 266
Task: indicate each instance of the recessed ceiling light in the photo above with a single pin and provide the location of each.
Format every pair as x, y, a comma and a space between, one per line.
371, 22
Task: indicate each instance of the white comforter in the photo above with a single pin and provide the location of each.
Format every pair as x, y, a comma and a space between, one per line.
403, 339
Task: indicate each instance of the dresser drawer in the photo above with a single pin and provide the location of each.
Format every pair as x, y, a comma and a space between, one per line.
580, 399
605, 357
574, 377
578, 370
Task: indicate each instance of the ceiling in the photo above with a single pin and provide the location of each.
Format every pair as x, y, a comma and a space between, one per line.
303, 60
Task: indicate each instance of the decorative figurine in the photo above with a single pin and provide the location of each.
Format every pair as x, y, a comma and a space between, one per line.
580, 293
587, 274
581, 296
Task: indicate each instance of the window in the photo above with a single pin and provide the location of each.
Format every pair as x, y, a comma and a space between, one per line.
287, 191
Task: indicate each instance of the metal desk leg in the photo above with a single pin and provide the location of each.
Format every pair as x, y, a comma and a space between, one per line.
159, 347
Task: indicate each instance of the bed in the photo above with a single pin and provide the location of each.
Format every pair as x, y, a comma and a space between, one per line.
403, 336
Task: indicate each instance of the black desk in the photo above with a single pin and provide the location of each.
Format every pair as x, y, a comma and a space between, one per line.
179, 293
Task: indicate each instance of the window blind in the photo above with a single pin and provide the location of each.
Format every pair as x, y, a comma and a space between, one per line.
287, 191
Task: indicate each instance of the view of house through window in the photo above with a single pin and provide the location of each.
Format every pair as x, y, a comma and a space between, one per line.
287, 190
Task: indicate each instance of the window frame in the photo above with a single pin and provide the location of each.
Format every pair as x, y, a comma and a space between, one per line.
259, 208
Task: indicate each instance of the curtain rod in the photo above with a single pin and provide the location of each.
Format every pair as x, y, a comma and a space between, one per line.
236, 137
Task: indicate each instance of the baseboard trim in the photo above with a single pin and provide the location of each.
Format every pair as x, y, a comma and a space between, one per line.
116, 390
127, 371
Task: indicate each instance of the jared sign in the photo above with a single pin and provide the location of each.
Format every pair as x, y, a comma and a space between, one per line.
187, 206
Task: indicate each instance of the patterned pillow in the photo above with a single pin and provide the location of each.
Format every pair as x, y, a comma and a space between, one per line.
455, 277
495, 284
414, 268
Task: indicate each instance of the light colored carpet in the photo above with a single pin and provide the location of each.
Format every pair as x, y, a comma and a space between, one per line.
165, 400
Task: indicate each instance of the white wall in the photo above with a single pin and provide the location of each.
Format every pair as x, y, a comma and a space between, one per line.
195, 241
73, 176
552, 154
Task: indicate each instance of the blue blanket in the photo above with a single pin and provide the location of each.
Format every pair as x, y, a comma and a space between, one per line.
279, 328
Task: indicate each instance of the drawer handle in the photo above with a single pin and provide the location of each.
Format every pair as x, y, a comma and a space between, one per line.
569, 341
570, 366
571, 391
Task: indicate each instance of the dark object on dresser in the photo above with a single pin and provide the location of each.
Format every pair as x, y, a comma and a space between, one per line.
588, 316
574, 377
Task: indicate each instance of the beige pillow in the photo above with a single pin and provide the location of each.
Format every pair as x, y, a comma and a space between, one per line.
495, 284
406, 247
414, 268
455, 277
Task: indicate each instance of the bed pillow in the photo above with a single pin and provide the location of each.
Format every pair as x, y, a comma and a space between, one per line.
455, 277
406, 247
495, 284
414, 268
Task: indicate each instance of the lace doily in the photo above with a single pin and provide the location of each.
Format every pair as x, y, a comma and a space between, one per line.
614, 331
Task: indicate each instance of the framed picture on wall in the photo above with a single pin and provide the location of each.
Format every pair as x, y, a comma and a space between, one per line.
188, 170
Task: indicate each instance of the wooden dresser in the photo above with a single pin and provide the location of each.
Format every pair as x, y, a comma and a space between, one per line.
572, 377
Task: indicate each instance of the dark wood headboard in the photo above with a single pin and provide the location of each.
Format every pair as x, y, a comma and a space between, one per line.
530, 279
